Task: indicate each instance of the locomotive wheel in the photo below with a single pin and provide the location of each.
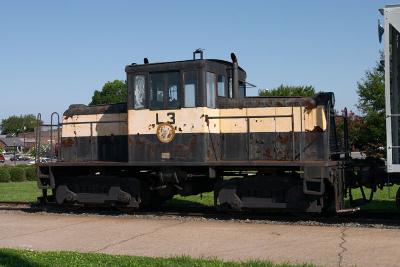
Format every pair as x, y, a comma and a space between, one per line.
398, 198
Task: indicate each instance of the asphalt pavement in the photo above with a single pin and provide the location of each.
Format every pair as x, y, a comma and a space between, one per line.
228, 240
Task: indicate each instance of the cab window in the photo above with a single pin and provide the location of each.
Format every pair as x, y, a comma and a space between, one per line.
190, 88
230, 93
139, 98
211, 79
242, 89
172, 87
221, 86
164, 90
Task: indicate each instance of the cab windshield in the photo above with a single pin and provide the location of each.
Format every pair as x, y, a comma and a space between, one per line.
164, 90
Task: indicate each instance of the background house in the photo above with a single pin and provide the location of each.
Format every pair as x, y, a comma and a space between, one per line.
9, 143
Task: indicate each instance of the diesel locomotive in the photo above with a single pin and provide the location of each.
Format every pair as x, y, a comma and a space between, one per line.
188, 127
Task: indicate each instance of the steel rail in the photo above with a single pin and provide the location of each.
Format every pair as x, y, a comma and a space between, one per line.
358, 219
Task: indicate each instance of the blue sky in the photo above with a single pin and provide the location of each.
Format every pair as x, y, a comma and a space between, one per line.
55, 53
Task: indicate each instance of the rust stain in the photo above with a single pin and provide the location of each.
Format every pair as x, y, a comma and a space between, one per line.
309, 104
283, 139
69, 142
267, 154
130, 142
316, 129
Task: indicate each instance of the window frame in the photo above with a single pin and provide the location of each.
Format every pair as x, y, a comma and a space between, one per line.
226, 94
145, 91
196, 89
244, 88
165, 90
215, 89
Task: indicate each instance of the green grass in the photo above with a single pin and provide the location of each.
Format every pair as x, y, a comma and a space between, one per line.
384, 199
19, 191
205, 199
25, 258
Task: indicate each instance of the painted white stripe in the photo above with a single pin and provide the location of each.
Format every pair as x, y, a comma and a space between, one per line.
193, 120
95, 125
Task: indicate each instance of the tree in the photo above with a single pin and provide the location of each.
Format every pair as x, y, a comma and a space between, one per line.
287, 90
371, 102
18, 124
111, 93
355, 123
44, 151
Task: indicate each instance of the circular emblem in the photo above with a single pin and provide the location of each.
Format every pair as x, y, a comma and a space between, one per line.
165, 132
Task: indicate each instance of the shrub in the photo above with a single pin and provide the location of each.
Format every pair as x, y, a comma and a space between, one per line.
4, 175
17, 174
30, 173
8, 167
21, 166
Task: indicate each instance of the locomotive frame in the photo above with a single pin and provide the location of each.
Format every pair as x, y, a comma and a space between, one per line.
189, 128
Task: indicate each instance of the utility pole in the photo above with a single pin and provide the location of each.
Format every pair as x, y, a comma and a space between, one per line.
15, 150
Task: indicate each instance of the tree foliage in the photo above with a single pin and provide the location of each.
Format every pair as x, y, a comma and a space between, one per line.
287, 90
44, 151
18, 124
355, 123
371, 102
111, 93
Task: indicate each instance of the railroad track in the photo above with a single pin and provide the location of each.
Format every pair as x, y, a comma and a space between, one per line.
14, 204
359, 218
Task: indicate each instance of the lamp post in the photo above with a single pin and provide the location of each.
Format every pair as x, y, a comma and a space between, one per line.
15, 149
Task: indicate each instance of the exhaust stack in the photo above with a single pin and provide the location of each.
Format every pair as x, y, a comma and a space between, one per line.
235, 76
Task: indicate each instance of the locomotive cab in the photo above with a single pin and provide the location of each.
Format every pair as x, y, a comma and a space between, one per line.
168, 105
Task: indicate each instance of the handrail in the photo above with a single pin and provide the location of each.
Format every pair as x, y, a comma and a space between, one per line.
52, 152
38, 137
88, 122
245, 117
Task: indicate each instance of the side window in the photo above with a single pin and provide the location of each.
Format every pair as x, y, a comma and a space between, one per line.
210, 86
190, 87
139, 92
230, 94
242, 89
221, 86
